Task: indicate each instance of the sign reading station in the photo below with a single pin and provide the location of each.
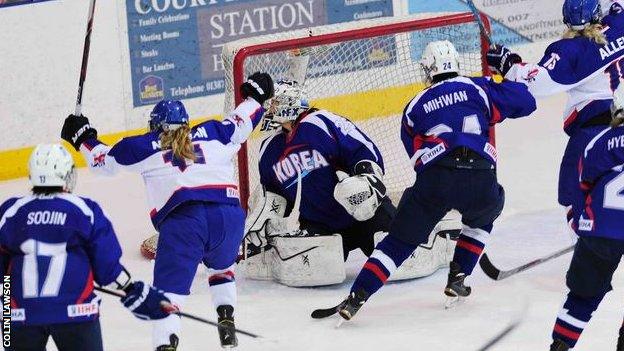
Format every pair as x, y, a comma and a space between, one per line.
175, 45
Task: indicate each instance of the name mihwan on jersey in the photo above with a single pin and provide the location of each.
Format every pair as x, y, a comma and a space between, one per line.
445, 100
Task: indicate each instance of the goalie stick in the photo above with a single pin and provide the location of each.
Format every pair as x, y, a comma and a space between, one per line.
182, 314
497, 274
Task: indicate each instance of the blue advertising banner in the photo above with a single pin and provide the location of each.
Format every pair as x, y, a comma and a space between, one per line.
7, 3
175, 45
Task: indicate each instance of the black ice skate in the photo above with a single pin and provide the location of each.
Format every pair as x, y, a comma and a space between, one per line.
620, 345
352, 304
227, 333
559, 345
173, 344
455, 288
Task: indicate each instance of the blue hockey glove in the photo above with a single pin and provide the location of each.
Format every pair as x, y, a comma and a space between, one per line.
146, 302
501, 59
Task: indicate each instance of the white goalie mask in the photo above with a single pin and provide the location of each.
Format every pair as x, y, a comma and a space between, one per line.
440, 57
51, 165
289, 102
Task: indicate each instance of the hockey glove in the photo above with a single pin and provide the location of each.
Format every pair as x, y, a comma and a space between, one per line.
362, 193
258, 86
501, 59
76, 130
146, 302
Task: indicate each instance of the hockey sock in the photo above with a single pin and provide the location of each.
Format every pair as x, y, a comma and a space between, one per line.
222, 287
163, 328
387, 256
573, 317
469, 247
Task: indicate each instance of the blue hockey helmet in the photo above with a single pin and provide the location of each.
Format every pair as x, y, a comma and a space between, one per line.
167, 115
578, 14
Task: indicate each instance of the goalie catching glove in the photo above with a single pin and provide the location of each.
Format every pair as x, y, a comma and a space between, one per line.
361, 194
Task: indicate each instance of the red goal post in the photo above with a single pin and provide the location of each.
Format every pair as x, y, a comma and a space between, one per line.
236, 56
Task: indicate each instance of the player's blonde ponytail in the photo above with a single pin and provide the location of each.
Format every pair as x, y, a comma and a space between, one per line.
179, 141
593, 32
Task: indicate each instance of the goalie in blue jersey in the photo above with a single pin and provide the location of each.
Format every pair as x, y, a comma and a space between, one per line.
341, 205
55, 245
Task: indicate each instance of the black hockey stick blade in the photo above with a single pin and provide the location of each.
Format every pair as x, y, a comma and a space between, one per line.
513, 325
497, 274
182, 314
324, 312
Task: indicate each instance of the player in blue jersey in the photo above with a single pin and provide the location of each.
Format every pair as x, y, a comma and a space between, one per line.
601, 234
342, 192
55, 245
189, 176
587, 64
446, 133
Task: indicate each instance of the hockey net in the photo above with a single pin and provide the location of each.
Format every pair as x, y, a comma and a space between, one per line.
365, 71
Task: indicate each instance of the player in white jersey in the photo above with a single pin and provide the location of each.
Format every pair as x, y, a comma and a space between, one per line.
191, 188
586, 64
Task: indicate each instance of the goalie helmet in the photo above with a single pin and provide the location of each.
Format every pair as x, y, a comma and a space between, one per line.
289, 102
51, 165
440, 57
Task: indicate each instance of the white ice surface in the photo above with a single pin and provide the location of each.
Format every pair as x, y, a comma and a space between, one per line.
402, 316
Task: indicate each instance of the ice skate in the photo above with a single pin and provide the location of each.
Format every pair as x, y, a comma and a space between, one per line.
455, 288
227, 333
173, 344
352, 304
559, 345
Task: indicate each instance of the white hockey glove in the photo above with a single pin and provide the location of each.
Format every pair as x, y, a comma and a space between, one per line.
361, 194
268, 207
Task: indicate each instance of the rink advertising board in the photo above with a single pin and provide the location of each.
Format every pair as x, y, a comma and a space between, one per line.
7, 3
175, 45
513, 22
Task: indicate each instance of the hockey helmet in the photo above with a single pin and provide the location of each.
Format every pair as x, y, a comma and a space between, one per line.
578, 14
51, 165
168, 115
289, 102
440, 57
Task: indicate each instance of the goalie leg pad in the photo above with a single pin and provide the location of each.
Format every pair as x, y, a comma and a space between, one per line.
426, 259
308, 261
258, 267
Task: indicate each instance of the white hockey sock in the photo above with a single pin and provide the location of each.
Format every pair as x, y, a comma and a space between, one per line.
163, 328
222, 287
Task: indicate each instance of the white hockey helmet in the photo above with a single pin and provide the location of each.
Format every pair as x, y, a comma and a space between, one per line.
290, 101
440, 57
51, 165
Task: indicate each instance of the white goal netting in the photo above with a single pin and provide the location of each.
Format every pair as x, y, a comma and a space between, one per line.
366, 71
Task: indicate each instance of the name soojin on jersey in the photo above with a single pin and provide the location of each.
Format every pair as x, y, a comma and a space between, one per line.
302, 161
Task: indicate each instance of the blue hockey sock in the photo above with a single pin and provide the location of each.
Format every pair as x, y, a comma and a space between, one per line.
388, 255
469, 247
574, 316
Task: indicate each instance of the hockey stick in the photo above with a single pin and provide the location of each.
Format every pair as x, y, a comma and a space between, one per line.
513, 325
494, 273
85, 59
477, 15
182, 314
324, 312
